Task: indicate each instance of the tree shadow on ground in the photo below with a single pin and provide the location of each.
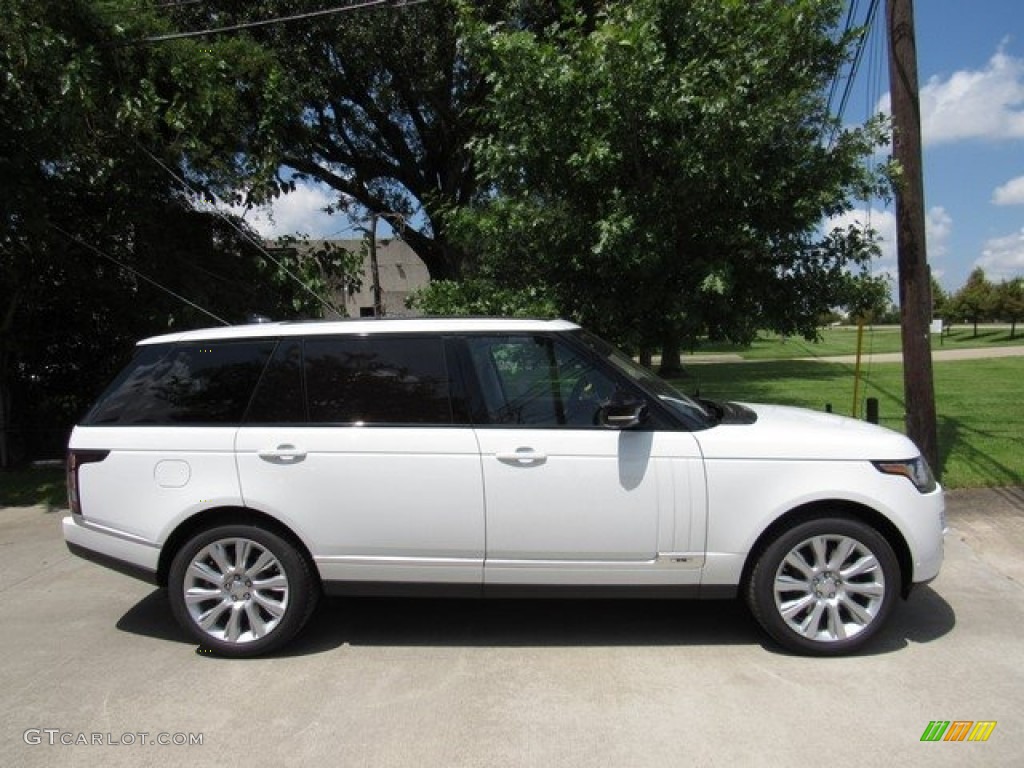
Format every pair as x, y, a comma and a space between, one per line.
953, 433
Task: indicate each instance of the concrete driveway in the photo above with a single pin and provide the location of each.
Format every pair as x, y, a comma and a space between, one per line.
91, 657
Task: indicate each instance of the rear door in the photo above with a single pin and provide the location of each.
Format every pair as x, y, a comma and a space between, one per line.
370, 465
169, 422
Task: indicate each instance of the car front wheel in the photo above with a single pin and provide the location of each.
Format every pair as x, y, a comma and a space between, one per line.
241, 590
825, 586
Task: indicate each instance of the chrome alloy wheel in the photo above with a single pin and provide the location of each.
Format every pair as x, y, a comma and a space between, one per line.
236, 590
829, 588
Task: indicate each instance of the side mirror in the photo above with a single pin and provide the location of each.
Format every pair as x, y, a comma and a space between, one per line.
622, 411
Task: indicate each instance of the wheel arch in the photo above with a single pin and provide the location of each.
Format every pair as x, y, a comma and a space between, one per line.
833, 508
218, 516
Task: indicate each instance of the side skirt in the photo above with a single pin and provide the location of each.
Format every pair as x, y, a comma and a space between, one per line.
529, 591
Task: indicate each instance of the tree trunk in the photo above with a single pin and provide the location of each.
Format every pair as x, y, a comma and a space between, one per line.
671, 356
442, 260
6, 371
5, 455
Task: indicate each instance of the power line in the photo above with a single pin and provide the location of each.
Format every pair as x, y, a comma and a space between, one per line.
277, 20
851, 11
137, 273
858, 56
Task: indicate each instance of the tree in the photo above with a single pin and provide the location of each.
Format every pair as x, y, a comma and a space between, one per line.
382, 109
868, 297
1009, 303
663, 168
92, 134
975, 302
385, 104
940, 300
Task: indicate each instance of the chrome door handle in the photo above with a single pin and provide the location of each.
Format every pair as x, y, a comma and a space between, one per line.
522, 457
283, 454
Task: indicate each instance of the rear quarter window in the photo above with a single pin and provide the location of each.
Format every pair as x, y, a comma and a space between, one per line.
193, 383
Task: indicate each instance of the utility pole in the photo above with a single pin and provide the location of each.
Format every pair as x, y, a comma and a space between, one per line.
914, 283
378, 301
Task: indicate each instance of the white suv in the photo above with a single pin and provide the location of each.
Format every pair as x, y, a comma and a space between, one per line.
250, 469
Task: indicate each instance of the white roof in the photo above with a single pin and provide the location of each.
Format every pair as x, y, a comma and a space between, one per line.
363, 327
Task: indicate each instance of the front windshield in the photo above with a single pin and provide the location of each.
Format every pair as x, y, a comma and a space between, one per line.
689, 409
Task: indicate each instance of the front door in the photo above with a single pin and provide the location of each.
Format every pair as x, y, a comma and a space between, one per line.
569, 501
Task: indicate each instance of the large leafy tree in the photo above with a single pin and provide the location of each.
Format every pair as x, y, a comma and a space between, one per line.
1009, 303
975, 302
100, 243
385, 104
663, 167
384, 108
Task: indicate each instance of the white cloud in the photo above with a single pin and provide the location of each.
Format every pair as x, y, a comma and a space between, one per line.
938, 226
300, 212
973, 104
1010, 193
1002, 258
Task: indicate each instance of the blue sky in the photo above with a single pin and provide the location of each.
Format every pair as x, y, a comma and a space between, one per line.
971, 71
971, 76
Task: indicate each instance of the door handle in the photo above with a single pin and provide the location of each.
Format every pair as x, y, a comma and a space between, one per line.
522, 456
283, 454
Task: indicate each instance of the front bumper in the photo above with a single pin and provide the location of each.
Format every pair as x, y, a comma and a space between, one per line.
928, 537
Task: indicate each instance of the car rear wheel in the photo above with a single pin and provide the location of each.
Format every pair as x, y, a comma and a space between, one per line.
241, 590
824, 587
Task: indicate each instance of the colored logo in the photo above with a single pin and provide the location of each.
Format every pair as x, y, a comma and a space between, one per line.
958, 730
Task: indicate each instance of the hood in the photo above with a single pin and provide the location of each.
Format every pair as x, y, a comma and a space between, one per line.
783, 432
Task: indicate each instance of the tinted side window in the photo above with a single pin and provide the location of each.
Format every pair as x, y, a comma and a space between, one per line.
377, 380
208, 383
279, 397
536, 381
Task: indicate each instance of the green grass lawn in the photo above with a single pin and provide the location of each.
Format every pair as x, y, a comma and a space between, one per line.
979, 404
843, 341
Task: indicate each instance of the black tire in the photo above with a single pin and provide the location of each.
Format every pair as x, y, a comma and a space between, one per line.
249, 590
824, 587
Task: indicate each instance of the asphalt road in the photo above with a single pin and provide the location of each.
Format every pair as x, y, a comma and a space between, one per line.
87, 654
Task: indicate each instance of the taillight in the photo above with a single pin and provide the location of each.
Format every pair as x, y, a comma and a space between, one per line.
76, 459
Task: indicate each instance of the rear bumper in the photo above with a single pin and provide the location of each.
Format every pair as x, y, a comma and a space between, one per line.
112, 550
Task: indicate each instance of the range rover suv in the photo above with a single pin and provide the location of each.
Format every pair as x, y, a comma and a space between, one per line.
251, 469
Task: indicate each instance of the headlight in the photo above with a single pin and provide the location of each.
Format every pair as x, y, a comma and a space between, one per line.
916, 470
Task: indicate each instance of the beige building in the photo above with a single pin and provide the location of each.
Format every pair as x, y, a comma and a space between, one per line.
400, 270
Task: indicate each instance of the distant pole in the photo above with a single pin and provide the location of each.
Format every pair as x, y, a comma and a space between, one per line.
914, 285
856, 368
378, 303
